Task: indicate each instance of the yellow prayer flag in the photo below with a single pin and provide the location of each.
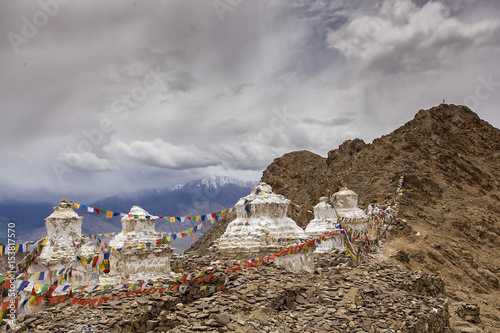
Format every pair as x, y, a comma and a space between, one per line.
32, 300
168, 239
36, 276
101, 267
38, 285
198, 218
212, 220
231, 209
109, 214
224, 213
143, 246
83, 261
172, 219
45, 241
77, 206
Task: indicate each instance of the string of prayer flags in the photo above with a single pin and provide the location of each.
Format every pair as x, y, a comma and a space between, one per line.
172, 219
25, 263
15, 248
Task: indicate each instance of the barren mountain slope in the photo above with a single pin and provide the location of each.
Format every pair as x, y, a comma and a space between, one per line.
452, 162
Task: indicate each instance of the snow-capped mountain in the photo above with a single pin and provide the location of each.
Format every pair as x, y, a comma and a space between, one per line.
218, 181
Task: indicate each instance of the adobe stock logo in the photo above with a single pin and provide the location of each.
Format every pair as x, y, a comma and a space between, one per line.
223, 6
482, 92
31, 26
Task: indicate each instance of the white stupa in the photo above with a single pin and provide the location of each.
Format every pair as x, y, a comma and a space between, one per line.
324, 222
137, 256
345, 204
260, 222
64, 232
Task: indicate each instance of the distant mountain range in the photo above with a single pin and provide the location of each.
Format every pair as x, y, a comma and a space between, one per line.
203, 196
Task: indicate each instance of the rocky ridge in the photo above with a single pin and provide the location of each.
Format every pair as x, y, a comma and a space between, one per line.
449, 220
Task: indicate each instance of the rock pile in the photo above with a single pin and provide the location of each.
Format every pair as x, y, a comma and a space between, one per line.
365, 298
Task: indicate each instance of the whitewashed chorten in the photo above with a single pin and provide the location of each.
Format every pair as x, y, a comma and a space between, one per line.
324, 222
64, 232
261, 220
136, 254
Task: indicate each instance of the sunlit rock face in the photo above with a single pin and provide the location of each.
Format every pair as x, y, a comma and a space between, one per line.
137, 255
260, 221
323, 223
64, 231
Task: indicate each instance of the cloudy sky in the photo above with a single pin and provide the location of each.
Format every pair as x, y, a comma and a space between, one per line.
98, 97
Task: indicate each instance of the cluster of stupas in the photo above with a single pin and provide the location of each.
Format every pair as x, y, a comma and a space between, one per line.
136, 254
262, 227
341, 204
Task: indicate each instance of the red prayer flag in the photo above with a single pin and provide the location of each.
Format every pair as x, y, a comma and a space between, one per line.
5, 306
53, 300
39, 300
51, 290
97, 210
94, 261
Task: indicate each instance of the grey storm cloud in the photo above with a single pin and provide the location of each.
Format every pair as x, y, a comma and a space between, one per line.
105, 96
337, 121
238, 89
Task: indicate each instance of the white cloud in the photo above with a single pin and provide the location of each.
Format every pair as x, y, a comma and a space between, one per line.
402, 37
85, 161
162, 154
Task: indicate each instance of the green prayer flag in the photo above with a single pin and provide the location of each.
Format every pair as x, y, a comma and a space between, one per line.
44, 289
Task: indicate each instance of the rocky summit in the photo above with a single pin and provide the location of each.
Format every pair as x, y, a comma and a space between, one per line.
449, 220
